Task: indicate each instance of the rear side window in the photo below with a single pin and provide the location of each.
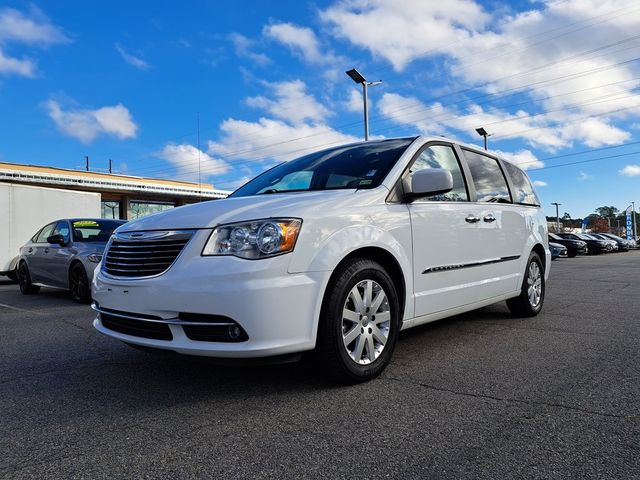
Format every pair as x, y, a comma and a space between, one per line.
488, 179
45, 233
442, 156
522, 189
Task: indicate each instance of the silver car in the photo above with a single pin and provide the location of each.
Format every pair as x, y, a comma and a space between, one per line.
64, 254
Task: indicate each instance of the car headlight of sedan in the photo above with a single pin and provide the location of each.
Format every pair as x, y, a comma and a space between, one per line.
94, 257
255, 239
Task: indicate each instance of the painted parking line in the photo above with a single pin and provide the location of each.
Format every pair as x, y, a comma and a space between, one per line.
18, 309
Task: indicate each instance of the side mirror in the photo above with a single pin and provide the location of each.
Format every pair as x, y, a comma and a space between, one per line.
430, 181
56, 240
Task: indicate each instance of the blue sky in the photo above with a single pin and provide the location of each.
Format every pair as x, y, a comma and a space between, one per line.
555, 82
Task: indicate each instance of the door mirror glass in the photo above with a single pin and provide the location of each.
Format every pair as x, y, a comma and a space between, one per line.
56, 240
430, 181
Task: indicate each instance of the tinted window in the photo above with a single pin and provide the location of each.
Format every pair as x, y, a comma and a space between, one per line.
93, 230
353, 166
523, 190
45, 233
62, 228
442, 156
491, 186
554, 236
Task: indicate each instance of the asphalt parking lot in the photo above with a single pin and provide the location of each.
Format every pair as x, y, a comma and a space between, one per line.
481, 395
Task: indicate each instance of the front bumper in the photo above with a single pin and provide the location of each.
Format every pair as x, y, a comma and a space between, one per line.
278, 311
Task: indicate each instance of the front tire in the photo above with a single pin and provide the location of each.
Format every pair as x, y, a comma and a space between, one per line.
79, 284
359, 322
529, 302
24, 280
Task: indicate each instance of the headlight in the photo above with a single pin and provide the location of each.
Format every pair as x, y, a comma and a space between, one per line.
94, 257
256, 239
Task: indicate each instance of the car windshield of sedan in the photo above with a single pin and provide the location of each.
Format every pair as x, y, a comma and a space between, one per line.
93, 231
585, 236
554, 236
359, 166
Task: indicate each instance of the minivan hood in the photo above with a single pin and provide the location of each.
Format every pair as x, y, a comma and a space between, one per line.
214, 212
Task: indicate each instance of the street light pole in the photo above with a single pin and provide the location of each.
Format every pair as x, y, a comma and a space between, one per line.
557, 216
483, 133
358, 78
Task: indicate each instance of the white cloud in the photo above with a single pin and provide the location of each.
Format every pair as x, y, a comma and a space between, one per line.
243, 46
132, 59
301, 40
34, 29
630, 171
269, 139
403, 31
188, 160
85, 125
24, 67
354, 103
292, 103
539, 183
584, 176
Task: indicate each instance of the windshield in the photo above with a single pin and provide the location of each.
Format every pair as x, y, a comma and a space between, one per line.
352, 166
94, 231
586, 236
554, 236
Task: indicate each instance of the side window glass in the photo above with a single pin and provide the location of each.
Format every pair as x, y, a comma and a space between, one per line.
523, 190
62, 228
45, 233
442, 156
491, 186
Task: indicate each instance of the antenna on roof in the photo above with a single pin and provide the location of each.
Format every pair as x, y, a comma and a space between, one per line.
86, 157
110, 166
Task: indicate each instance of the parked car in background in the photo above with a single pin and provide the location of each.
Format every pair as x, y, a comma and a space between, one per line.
574, 247
557, 250
64, 254
336, 251
611, 245
595, 246
623, 245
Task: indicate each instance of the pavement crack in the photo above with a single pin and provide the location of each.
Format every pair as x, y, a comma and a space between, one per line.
513, 400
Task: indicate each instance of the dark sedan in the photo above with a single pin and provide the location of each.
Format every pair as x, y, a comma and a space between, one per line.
574, 247
623, 245
594, 245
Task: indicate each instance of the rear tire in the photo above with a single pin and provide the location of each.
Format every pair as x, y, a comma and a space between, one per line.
24, 280
359, 322
529, 302
79, 284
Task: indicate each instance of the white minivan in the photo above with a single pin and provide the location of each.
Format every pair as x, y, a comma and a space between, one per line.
335, 252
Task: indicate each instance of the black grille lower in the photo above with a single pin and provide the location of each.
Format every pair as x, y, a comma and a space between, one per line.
136, 328
144, 258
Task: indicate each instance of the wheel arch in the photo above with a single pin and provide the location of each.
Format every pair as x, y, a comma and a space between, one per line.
539, 249
387, 260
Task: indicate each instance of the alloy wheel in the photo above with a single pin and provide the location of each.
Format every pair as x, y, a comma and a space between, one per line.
366, 320
534, 284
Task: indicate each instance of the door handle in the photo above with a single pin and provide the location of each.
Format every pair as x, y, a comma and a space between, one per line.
472, 219
489, 218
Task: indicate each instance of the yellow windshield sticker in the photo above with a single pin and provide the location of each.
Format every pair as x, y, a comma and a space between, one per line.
85, 223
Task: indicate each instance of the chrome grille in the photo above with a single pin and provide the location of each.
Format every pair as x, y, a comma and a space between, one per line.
143, 254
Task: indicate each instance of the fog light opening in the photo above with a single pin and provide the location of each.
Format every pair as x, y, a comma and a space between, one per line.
234, 332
